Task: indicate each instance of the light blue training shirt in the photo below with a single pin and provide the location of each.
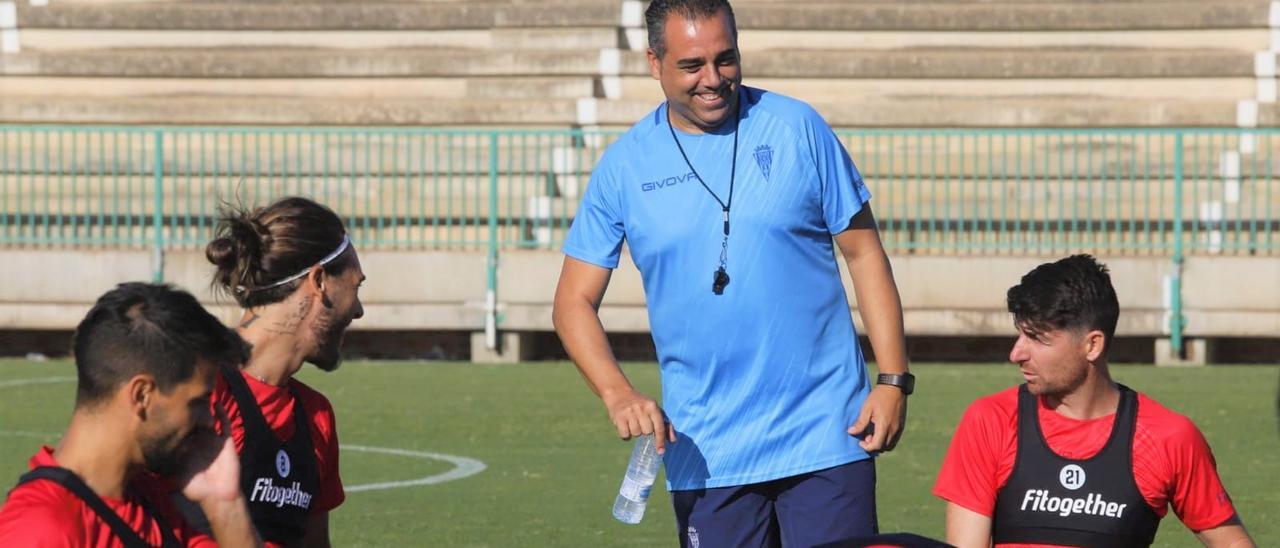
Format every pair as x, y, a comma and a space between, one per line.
761, 382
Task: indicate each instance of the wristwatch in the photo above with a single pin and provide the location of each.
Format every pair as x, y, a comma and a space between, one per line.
905, 381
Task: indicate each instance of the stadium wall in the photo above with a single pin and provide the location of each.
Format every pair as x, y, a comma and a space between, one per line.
434, 291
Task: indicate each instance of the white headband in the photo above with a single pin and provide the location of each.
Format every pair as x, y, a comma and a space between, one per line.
346, 242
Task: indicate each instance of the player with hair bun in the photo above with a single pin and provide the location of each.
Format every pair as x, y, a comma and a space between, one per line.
291, 266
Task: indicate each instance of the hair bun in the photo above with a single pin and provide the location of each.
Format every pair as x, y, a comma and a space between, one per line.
222, 253
255, 248
236, 251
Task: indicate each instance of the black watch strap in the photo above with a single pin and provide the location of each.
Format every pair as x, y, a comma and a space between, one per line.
904, 381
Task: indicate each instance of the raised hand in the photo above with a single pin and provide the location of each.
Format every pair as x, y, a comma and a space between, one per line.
211, 470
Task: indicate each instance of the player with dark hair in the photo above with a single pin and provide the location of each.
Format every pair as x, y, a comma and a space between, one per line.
292, 267
146, 358
1070, 457
729, 199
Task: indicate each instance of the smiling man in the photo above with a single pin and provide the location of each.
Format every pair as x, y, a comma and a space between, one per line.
1070, 457
729, 199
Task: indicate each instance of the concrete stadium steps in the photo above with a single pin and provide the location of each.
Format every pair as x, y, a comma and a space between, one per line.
750, 41
316, 16
1084, 3
307, 112
813, 90
1046, 87
515, 63
753, 41
1007, 16
1038, 16
231, 153
484, 39
735, 3
480, 87
1067, 111
1063, 112
290, 2
589, 37
1000, 63
304, 63
830, 90
944, 63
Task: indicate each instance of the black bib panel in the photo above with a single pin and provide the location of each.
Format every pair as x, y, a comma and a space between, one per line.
279, 480
1092, 502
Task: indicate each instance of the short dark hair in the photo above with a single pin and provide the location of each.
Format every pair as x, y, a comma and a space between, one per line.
148, 328
1074, 293
655, 18
254, 249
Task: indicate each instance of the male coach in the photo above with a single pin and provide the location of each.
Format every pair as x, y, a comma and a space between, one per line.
1070, 457
728, 198
146, 357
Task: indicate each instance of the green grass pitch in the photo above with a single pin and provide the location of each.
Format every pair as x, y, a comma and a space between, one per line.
554, 465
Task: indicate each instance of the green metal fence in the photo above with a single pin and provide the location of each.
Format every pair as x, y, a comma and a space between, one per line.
1115, 192
1159, 192
398, 189
1008, 191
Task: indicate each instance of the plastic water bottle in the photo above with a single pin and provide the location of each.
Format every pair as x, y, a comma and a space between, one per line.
641, 473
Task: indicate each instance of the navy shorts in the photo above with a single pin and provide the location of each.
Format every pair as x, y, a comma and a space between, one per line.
822, 507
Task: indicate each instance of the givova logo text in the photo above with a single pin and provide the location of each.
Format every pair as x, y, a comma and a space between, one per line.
668, 181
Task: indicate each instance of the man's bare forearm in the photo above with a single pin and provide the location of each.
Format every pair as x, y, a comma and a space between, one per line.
577, 322
881, 310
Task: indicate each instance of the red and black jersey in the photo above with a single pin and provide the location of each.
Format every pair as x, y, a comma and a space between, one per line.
279, 476
277, 406
287, 440
1172, 465
47, 513
1090, 502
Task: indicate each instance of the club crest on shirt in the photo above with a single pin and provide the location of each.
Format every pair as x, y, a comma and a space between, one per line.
764, 159
283, 465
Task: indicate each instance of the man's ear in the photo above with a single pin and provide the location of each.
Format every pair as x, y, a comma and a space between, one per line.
140, 390
1095, 345
655, 64
316, 280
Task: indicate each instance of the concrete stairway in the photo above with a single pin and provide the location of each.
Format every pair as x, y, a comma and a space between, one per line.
509, 63
1084, 63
